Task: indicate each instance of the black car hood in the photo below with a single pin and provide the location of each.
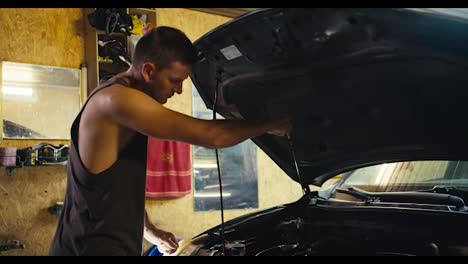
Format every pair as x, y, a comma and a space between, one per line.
364, 85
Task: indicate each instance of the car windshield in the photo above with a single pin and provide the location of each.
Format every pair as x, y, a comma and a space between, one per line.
399, 181
408, 176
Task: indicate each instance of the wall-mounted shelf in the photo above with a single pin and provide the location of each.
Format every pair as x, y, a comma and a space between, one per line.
97, 70
10, 169
41, 154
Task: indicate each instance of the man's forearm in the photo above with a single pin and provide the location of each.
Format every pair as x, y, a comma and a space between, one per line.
227, 133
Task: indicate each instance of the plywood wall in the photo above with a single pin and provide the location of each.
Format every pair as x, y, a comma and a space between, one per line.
46, 36
24, 199
178, 215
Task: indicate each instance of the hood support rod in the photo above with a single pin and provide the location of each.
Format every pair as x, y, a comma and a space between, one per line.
305, 187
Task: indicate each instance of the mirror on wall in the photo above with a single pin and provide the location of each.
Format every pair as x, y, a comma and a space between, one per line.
38, 102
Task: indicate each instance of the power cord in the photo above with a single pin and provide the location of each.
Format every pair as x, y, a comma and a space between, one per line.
218, 82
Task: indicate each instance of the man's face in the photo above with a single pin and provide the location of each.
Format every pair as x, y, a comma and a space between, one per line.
168, 81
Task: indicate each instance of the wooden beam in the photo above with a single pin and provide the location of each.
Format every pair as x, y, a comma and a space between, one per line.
91, 51
228, 12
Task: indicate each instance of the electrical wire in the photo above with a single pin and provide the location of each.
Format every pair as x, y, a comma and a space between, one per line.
219, 172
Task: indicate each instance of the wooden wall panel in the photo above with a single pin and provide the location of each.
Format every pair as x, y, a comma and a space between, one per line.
46, 36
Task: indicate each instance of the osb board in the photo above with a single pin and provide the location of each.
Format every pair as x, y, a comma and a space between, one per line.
178, 215
24, 199
47, 36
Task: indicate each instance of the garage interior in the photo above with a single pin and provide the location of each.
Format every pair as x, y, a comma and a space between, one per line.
58, 37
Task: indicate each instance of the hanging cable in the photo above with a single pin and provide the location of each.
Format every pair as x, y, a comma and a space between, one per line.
218, 82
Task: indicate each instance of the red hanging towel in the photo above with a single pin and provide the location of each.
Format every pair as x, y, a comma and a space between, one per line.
168, 170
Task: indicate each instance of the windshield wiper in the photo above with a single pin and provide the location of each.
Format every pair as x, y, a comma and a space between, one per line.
446, 190
421, 197
372, 197
366, 197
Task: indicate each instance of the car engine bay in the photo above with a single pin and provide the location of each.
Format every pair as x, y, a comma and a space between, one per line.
332, 231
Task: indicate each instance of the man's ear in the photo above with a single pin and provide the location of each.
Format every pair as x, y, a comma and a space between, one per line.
147, 70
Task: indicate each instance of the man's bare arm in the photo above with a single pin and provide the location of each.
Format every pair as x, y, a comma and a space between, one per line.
136, 110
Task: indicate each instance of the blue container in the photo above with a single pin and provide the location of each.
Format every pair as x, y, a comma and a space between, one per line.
153, 251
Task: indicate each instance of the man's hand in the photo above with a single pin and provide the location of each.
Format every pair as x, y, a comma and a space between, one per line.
164, 240
282, 126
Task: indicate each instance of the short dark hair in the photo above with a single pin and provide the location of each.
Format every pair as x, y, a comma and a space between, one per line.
163, 45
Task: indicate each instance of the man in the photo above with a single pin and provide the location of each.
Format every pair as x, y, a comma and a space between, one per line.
104, 210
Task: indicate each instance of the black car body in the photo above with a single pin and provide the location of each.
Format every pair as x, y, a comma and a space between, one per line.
365, 87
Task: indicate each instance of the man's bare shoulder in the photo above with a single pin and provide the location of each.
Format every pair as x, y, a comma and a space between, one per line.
118, 90
118, 96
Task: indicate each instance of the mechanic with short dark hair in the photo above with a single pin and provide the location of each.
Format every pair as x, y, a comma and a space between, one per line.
104, 208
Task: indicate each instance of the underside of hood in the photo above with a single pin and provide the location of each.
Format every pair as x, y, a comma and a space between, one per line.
364, 85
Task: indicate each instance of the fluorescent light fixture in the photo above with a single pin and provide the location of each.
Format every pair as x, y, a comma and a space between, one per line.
205, 166
211, 195
212, 186
22, 91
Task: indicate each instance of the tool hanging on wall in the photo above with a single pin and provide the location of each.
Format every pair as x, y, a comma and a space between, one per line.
43, 154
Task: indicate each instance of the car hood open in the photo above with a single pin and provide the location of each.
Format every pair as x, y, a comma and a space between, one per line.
364, 85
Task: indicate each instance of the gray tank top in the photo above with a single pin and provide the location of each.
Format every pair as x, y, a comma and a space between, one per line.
103, 213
